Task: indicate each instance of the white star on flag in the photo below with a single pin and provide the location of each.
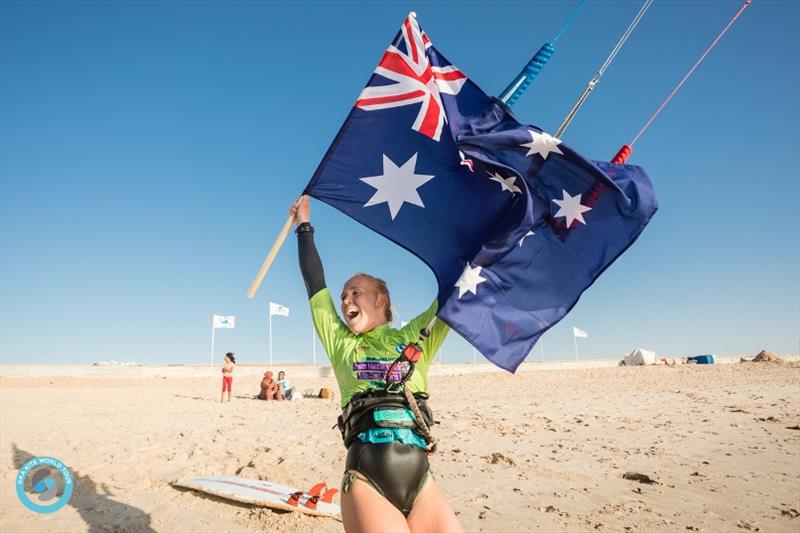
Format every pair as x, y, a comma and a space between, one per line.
571, 208
469, 280
525, 237
507, 184
542, 144
397, 185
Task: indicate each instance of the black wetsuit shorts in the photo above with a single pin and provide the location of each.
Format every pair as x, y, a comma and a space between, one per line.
398, 471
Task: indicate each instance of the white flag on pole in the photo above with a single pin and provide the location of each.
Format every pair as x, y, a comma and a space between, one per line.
579, 333
277, 309
222, 321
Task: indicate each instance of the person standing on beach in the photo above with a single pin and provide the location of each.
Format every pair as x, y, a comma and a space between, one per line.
385, 422
227, 375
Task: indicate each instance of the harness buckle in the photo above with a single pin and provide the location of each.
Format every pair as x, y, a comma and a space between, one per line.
395, 387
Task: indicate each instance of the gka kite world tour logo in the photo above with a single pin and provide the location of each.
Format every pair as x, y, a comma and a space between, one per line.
44, 478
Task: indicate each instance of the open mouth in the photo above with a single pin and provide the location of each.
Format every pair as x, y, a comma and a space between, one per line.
352, 313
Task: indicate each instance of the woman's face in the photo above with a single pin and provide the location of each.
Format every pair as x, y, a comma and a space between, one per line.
363, 307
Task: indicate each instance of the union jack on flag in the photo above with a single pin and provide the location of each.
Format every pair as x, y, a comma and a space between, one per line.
415, 80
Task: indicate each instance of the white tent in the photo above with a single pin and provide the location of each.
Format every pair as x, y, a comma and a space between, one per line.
640, 356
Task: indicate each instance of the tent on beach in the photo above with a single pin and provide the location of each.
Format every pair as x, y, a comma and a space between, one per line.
640, 356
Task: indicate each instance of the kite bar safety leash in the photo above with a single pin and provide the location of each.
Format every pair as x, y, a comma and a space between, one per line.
626, 149
594, 81
523, 80
411, 353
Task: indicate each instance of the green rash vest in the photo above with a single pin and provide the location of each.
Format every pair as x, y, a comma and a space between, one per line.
360, 361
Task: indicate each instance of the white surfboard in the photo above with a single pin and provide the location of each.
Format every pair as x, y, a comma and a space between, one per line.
268, 494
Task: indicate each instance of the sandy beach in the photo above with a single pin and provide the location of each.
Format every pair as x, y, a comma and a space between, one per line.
543, 450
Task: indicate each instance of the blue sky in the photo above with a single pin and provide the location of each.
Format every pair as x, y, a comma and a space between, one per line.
149, 153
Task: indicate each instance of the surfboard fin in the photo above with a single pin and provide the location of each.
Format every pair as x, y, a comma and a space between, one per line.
315, 494
317, 489
294, 498
328, 496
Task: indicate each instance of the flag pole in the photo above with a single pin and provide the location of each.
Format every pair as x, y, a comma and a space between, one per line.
212, 340
314, 345
270, 338
575, 338
271, 255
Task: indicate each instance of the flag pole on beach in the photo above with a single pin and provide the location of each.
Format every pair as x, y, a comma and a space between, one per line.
576, 332
213, 329
270, 339
275, 309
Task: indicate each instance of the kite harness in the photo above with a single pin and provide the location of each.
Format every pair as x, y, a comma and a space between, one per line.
394, 406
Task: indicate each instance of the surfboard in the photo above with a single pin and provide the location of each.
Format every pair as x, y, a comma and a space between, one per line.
316, 501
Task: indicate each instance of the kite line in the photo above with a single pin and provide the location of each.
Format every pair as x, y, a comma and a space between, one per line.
602, 69
626, 149
523, 80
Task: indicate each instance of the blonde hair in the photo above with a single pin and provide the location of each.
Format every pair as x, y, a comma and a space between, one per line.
382, 288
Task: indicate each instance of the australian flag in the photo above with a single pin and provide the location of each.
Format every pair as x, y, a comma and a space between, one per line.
514, 224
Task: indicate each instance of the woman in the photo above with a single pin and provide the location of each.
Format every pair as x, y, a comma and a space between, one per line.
269, 388
227, 376
387, 484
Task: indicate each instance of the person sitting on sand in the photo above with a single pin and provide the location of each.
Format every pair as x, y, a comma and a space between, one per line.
283, 383
387, 483
269, 388
227, 375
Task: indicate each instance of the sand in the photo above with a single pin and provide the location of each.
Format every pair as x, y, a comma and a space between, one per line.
543, 450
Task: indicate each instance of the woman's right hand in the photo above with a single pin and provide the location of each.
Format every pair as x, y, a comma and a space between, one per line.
301, 210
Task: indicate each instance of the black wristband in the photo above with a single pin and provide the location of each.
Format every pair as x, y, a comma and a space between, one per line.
304, 227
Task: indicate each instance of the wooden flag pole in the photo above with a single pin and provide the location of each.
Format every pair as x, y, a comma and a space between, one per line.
271, 255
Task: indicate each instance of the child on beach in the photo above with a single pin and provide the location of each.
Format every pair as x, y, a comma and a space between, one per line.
387, 483
227, 375
283, 383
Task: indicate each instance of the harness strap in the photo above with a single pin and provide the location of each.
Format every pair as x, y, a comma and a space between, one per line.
359, 414
423, 426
